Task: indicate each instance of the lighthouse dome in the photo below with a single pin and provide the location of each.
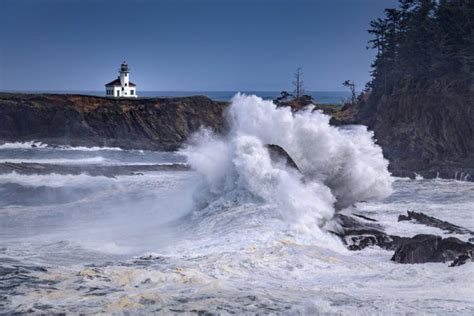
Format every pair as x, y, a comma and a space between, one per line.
124, 67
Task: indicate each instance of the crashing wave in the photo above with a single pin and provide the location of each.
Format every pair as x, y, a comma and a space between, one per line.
339, 166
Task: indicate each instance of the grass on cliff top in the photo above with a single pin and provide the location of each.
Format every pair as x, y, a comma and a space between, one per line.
335, 106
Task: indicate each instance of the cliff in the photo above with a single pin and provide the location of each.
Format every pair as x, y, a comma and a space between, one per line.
425, 132
79, 120
420, 101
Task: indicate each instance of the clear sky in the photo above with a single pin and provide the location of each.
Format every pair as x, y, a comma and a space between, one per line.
185, 44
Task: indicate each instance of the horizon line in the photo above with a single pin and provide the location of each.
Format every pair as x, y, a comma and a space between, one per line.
237, 90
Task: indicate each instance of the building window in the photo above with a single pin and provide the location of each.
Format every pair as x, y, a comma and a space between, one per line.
131, 92
123, 89
118, 93
126, 84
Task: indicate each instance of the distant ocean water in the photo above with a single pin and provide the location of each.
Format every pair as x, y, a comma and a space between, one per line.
323, 97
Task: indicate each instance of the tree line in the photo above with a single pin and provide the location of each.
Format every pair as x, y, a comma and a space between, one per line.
423, 44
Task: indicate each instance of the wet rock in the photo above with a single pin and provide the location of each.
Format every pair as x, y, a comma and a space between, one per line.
277, 153
365, 217
369, 239
357, 234
424, 219
430, 248
462, 259
349, 223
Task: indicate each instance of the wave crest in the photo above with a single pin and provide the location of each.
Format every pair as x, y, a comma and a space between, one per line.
339, 165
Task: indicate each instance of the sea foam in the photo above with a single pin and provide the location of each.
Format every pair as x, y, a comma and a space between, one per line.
339, 165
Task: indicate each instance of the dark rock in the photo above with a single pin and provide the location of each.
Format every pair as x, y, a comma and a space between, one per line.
424, 132
365, 217
277, 153
358, 235
294, 103
424, 219
361, 240
80, 120
431, 248
459, 261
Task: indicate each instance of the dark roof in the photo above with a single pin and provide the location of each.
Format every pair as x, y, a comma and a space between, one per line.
116, 82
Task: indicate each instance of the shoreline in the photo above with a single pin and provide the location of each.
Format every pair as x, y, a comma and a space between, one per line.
152, 123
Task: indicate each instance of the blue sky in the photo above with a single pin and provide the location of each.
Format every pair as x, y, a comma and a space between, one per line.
185, 44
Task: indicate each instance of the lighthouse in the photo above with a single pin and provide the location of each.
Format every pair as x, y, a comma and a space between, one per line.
122, 87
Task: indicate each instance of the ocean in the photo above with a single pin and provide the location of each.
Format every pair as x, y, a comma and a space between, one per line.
233, 233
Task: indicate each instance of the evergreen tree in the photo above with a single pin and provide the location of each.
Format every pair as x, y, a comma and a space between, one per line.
424, 43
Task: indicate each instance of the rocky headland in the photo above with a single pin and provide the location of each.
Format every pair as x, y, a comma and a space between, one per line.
80, 120
420, 101
421, 133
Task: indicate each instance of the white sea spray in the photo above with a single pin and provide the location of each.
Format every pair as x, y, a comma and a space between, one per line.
339, 166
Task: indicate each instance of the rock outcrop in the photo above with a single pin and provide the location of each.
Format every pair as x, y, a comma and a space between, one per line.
79, 120
431, 248
424, 219
358, 234
277, 153
426, 132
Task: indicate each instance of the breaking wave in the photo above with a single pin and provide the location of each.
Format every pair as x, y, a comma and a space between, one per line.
59, 161
38, 144
23, 145
339, 166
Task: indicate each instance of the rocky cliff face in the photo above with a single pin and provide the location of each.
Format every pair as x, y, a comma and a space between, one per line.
427, 132
78, 120
421, 100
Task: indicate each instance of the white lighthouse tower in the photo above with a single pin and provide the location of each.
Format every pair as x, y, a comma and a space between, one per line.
122, 87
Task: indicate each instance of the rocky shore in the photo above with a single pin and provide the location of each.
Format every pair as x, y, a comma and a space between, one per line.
425, 133
433, 139
80, 120
358, 232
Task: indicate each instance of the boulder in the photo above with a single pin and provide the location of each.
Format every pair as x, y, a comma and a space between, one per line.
357, 234
430, 248
277, 153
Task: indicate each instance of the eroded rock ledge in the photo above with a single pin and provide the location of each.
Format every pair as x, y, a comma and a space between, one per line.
359, 234
80, 120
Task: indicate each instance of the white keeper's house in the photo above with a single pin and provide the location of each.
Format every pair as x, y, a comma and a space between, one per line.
122, 87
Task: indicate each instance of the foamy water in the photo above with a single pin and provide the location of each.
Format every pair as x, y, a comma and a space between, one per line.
238, 234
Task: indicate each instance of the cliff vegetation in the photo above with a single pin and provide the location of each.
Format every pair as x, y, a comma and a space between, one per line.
420, 101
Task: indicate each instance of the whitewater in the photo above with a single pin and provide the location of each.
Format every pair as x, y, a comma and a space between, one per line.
237, 232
